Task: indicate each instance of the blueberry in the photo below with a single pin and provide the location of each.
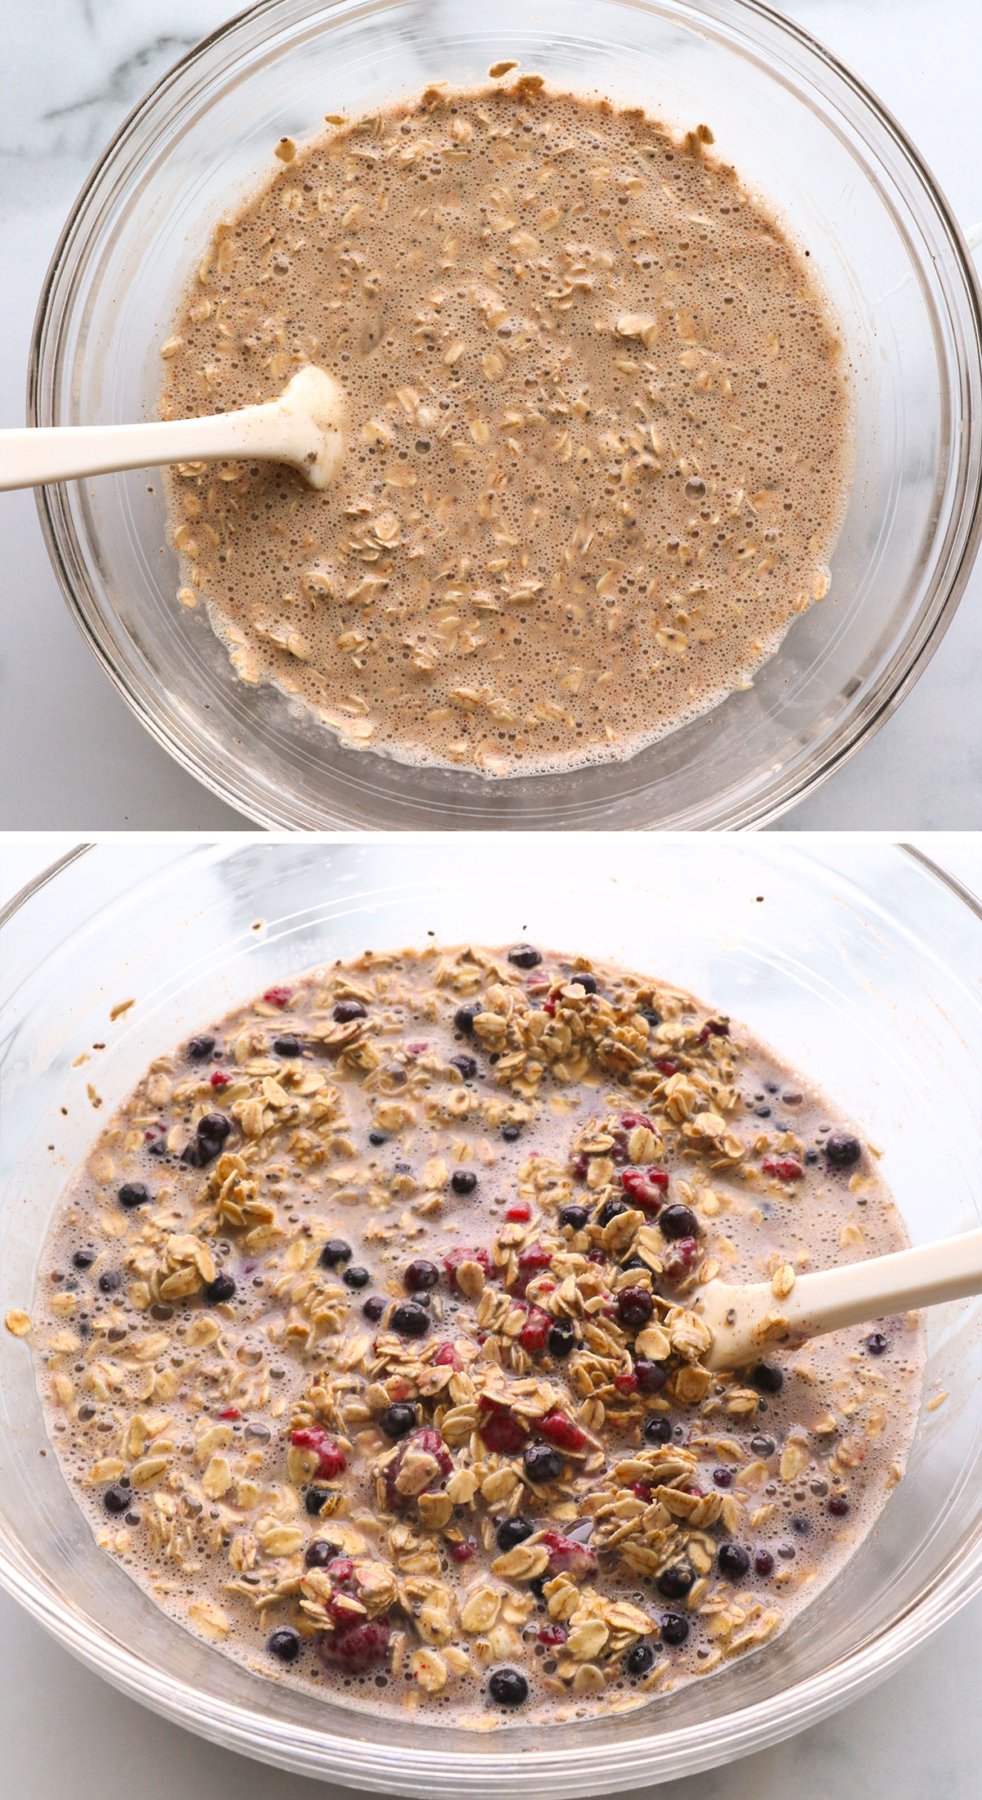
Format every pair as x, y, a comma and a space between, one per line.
767, 1378
574, 1217
876, 1343
117, 1499
219, 1290
374, 1307
158, 1147
561, 1339
651, 1376
653, 1017
511, 1532
463, 1181
335, 1251
200, 1047
346, 1011
420, 1275
464, 1019
674, 1583
763, 1563
634, 1307
511, 1133
658, 1429
209, 1137
83, 1259
110, 1281
674, 1629
409, 1319
842, 1150
838, 1506
287, 1046
678, 1222
587, 982
508, 1687
733, 1561
542, 1464
612, 1210
284, 1644
639, 1660
723, 1478
133, 1193
398, 1419
316, 1499
466, 1066
377, 1138
524, 956
356, 1276
319, 1553
801, 1525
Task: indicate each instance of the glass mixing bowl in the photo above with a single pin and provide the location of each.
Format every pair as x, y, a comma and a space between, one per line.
797, 125
865, 973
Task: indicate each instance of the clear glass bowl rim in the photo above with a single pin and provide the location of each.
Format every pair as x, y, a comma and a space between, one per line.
760, 23
593, 1769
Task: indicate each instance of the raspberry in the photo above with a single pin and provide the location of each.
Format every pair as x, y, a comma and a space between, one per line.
531, 1261
342, 1568
464, 1551
356, 1646
642, 1489
230, 1412
331, 1459
626, 1382
501, 1430
431, 1443
666, 1065
552, 1634
454, 1258
535, 1332
646, 1187
218, 1080
784, 1167
560, 1430
520, 1213
278, 996
566, 1556
631, 1122
446, 1356
680, 1259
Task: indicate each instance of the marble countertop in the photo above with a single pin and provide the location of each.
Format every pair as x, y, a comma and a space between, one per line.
65, 1733
72, 752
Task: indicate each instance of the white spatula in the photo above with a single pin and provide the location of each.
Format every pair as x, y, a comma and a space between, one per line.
745, 1321
304, 428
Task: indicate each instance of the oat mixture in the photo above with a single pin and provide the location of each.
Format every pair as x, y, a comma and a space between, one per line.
597, 437
370, 1337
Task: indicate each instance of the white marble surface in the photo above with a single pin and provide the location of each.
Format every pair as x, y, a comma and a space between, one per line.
72, 752
64, 1733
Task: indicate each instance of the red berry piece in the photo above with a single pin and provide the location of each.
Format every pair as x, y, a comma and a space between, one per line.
431, 1443
626, 1382
534, 1334
502, 1431
631, 1121
454, 1258
667, 1065
681, 1259
645, 1188
230, 1412
278, 996
464, 1552
331, 1459
520, 1213
531, 1261
358, 1646
446, 1356
566, 1556
558, 1429
218, 1080
714, 1028
784, 1167
552, 1635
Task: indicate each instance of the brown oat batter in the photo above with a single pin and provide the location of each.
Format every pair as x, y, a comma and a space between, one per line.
370, 1337
598, 430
